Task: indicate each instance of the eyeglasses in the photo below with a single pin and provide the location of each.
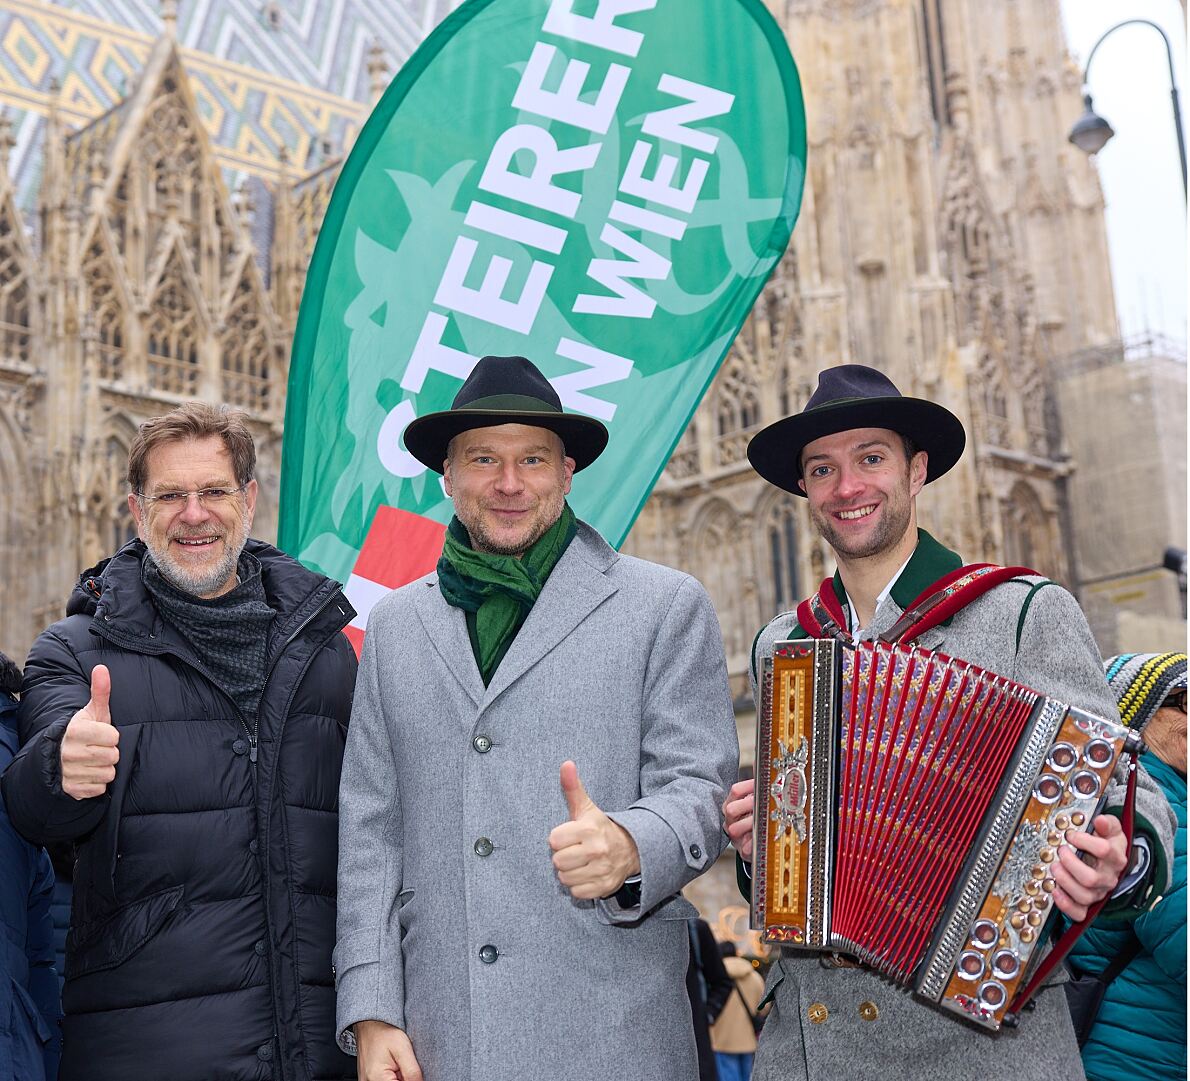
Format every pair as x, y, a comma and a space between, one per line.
207, 497
1177, 700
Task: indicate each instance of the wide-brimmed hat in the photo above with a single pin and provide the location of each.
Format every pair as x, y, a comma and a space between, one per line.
855, 396
504, 390
1142, 682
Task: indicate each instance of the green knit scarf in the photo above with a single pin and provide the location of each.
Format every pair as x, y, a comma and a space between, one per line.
496, 591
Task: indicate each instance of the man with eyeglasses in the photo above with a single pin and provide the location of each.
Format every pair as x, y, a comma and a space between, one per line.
184, 726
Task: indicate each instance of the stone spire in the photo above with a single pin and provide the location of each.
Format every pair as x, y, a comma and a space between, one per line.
169, 17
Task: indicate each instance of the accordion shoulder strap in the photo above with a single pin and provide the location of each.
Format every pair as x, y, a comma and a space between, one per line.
948, 595
821, 615
1072, 933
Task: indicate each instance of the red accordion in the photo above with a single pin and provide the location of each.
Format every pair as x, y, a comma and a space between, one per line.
909, 807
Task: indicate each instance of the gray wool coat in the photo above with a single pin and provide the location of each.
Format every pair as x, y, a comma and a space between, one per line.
906, 1038
452, 923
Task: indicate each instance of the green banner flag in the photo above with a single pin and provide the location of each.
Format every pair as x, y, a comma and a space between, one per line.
602, 186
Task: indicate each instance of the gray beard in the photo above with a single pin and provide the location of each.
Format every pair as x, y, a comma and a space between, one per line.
200, 585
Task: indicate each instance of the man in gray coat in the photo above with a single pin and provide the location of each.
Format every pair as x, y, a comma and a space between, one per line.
860, 453
541, 739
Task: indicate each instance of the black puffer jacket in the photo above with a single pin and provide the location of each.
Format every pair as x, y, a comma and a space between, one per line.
204, 890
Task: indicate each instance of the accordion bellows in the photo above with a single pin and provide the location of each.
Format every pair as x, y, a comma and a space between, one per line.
909, 809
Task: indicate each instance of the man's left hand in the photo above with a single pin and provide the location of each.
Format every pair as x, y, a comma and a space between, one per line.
592, 854
1083, 882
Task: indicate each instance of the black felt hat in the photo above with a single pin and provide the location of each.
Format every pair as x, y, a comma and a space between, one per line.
504, 390
855, 396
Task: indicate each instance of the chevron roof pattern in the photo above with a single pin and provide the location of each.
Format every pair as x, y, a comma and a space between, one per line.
267, 74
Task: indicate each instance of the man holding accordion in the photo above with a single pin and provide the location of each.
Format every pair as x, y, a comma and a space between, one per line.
860, 453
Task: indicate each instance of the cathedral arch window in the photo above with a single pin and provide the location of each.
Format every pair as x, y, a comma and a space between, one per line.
108, 314
736, 411
990, 404
121, 525
778, 536
14, 297
171, 333
1026, 530
245, 352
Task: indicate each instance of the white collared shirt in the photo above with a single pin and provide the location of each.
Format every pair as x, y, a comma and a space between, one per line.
853, 619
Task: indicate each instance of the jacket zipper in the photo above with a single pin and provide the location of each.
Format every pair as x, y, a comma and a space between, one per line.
254, 733
115, 637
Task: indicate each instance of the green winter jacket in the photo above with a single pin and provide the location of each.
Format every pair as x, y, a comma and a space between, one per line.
1140, 1033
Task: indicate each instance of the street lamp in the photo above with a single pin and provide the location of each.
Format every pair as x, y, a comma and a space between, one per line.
1091, 132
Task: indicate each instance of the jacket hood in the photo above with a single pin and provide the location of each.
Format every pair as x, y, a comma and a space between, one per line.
113, 587
10, 675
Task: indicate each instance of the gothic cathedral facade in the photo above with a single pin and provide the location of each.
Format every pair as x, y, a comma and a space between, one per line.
949, 235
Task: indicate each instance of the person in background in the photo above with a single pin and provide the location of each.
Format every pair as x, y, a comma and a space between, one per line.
708, 986
1140, 1030
733, 1036
30, 1007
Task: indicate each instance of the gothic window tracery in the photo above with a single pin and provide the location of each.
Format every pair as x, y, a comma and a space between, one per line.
103, 303
120, 523
245, 352
14, 297
778, 536
171, 334
1039, 419
990, 404
736, 411
1026, 530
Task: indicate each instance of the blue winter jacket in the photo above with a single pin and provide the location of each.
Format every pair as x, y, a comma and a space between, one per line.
30, 1040
1140, 1033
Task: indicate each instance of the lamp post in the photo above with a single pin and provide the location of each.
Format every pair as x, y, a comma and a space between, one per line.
1091, 132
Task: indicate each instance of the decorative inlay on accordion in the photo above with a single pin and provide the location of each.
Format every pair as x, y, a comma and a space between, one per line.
909, 809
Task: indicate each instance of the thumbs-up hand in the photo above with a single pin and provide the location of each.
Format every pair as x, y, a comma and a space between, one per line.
89, 753
592, 854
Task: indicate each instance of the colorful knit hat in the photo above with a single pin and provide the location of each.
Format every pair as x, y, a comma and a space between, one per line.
1141, 682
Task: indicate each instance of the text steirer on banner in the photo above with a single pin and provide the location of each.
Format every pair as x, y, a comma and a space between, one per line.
601, 186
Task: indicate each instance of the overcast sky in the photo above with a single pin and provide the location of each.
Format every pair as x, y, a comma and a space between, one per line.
1139, 170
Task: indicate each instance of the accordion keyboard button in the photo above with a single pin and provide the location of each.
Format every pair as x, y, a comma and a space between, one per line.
817, 1013
869, 1011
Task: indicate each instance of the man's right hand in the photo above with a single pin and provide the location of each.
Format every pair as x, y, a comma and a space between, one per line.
737, 817
89, 753
384, 1053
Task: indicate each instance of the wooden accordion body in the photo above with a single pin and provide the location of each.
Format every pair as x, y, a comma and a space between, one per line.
909, 807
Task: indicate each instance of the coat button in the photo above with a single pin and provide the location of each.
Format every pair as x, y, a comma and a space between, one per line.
483, 847
240, 746
488, 954
868, 1011
253, 847
817, 1013
696, 852
482, 744
265, 1051
260, 947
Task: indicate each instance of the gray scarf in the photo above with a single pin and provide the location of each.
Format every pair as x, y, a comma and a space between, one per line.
230, 633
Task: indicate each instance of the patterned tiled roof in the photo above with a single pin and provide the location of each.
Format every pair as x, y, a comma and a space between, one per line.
266, 74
